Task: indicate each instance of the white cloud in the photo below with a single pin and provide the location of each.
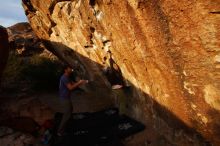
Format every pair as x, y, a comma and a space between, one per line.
11, 12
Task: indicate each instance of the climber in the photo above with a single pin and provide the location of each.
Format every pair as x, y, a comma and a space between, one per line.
65, 88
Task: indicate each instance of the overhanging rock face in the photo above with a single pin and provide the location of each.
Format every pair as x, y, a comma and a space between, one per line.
168, 50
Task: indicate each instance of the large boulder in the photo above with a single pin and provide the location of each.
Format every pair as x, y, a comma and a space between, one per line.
167, 50
4, 49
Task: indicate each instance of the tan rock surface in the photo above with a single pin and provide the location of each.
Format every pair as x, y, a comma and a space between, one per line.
167, 50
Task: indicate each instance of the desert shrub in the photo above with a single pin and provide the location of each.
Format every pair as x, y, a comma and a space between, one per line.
36, 73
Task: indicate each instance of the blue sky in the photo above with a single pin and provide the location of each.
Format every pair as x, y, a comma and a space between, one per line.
11, 12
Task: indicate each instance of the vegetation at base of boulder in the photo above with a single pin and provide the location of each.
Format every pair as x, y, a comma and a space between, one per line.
13, 69
36, 73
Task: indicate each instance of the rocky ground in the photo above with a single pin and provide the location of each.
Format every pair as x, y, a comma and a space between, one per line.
21, 116
37, 108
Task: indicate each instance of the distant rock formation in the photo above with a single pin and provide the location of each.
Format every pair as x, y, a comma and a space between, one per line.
23, 40
167, 50
4, 50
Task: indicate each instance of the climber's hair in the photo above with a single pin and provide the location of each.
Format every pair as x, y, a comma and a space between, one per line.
65, 66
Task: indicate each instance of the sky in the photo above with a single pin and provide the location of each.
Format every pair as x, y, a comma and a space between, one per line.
11, 12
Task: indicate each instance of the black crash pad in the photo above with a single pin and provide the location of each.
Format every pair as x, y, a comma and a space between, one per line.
102, 128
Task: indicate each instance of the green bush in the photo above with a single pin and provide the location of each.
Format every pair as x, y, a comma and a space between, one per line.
12, 72
13, 68
36, 72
